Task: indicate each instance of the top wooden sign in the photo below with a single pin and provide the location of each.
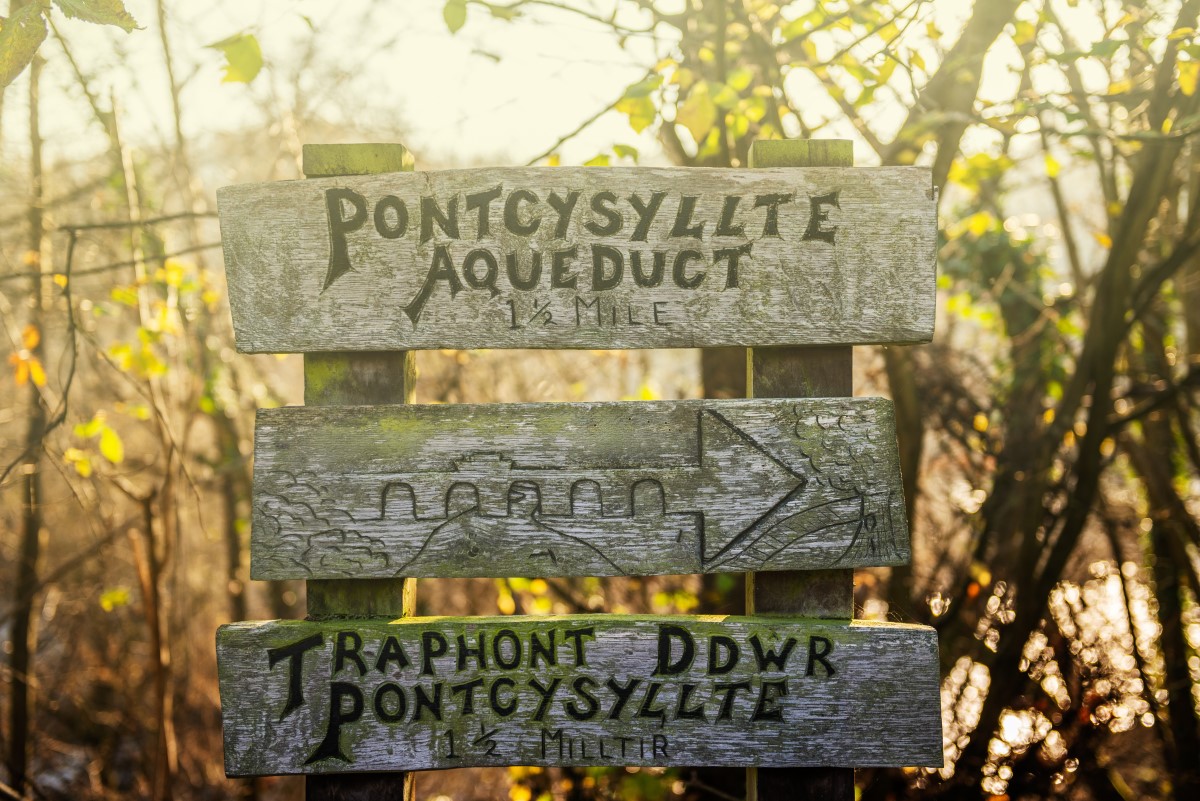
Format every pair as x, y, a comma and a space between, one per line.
582, 258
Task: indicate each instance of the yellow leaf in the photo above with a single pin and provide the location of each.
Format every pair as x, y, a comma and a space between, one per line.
640, 110
80, 460
698, 113
1120, 87
31, 258
1104, 239
61, 280
22, 374
111, 447
1189, 72
91, 428
1053, 168
171, 273
980, 422
37, 373
553, 160
111, 599
519, 792
505, 604
30, 337
979, 223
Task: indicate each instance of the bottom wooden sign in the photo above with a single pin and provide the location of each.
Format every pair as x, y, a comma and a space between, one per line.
437, 692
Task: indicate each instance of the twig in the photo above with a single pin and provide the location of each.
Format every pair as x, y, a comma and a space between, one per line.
581, 127
183, 215
117, 265
60, 413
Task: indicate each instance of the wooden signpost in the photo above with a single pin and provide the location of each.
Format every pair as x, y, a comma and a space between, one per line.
355, 494
426, 693
581, 258
563, 490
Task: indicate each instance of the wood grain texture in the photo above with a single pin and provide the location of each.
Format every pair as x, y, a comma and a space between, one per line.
341, 378
576, 489
455, 692
359, 158
801, 372
446, 259
333, 378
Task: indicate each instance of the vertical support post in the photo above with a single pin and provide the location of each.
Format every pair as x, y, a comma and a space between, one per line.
359, 379
801, 372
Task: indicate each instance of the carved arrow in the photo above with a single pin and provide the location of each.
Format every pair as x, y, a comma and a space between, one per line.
576, 489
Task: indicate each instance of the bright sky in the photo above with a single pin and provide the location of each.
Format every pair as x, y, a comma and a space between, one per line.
496, 92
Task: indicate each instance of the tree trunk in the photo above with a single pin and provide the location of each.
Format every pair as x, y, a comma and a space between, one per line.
25, 585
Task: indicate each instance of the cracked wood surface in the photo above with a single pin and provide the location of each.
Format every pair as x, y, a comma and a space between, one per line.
593, 489
582, 258
431, 693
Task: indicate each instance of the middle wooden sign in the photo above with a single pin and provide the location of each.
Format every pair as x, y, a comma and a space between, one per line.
564, 489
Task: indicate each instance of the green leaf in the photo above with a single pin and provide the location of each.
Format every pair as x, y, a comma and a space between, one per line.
22, 34
698, 113
101, 12
111, 447
643, 88
740, 78
626, 152
640, 110
1106, 48
243, 57
455, 14
598, 161
725, 97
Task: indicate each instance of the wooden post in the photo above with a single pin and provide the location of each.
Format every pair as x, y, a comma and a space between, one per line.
801, 372
359, 378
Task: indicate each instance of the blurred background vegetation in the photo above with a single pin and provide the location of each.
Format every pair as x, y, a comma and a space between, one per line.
1050, 434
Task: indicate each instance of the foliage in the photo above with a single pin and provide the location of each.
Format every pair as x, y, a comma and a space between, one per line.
1068, 355
25, 29
1050, 432
243, 57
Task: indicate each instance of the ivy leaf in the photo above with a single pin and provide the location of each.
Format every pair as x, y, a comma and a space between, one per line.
698, 113
101, 12
243, 57
21, 35
455, 14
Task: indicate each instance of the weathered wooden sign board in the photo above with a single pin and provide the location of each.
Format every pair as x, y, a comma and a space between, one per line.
582, 258
594, 489
577, 258
427, 693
